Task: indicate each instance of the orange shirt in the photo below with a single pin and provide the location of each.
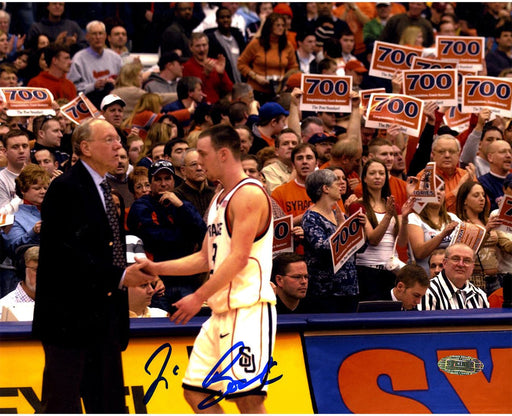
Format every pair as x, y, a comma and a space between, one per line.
292, 198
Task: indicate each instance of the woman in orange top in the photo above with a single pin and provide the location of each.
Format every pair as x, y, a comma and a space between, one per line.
267, 58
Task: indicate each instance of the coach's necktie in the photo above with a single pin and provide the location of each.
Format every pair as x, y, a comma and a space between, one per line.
113, 220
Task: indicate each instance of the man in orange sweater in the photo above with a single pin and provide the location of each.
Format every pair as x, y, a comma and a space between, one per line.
58, 60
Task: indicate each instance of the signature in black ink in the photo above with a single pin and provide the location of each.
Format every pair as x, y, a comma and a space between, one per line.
154, 385
233, 385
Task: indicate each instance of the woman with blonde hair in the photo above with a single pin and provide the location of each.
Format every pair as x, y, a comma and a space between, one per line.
412, 36
144, 114
128, 86
147, 112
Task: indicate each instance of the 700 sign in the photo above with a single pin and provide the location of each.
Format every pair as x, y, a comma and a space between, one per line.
396, 106
327, 86
326, 93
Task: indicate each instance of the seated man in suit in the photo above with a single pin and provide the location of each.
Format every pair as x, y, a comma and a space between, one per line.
411, 284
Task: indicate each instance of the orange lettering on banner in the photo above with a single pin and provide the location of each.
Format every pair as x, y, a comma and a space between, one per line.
406, 371
478, 394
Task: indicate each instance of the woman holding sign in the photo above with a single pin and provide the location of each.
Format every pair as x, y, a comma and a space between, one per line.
384, 229
327, 291
431, 228
473, 207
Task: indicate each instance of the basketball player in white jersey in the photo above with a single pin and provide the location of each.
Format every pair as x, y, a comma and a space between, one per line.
233, 352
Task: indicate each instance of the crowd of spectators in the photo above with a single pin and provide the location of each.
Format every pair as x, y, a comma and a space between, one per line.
240, 64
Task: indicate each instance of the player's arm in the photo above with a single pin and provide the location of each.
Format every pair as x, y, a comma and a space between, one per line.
248, 214
185, 266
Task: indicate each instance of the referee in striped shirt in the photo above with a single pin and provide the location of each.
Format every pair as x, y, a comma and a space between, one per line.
451, 289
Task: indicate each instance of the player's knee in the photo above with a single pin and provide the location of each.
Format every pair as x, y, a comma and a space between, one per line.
190, 397
251, 404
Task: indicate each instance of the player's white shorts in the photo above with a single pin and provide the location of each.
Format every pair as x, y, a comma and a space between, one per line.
233, 353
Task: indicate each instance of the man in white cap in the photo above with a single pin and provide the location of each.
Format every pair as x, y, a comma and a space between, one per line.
112, 109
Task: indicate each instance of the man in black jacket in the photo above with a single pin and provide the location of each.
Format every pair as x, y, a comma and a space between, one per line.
228, 41
81, 309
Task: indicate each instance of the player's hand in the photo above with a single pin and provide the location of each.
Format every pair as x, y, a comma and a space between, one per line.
137, 273
150, 267
187, 307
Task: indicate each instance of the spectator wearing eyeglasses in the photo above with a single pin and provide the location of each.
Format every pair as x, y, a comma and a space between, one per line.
445, 152
451, 289
195, 188
290, 277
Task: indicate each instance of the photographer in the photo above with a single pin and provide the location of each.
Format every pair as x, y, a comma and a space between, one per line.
169, 228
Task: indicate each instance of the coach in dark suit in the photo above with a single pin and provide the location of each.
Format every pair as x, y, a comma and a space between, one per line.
81, 309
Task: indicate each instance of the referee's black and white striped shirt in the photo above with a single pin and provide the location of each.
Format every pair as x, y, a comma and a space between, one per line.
443, 295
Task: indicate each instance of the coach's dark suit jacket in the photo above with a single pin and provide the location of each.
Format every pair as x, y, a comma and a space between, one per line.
78, 302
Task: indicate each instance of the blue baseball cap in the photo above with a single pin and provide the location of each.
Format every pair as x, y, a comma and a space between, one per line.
271, 110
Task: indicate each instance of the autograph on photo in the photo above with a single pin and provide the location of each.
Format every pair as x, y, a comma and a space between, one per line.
214, 376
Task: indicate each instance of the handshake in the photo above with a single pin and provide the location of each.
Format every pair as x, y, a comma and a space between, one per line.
141, 272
